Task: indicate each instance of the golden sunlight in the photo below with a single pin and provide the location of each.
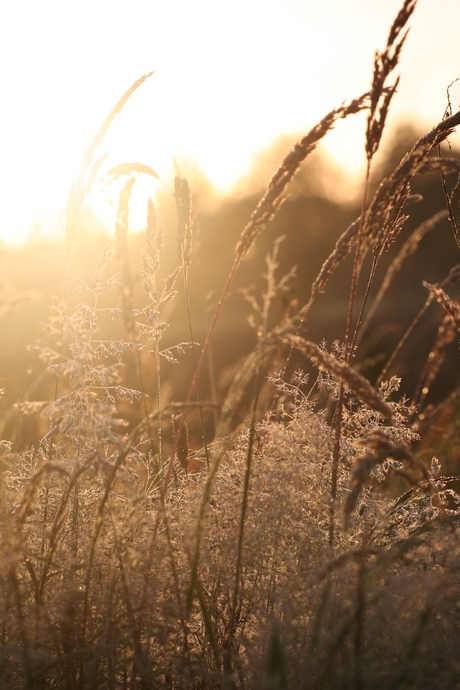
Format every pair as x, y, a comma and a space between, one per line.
229, 79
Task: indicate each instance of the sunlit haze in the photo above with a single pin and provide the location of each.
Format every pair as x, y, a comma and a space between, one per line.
229, 78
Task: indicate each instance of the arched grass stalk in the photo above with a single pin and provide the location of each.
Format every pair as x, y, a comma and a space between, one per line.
89, 167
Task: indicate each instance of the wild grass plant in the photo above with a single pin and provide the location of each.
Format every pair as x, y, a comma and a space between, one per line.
313, 545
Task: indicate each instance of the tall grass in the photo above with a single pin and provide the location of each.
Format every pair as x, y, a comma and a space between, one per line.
310, 546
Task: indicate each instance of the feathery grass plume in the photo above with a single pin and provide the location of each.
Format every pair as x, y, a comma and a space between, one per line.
83, 419
275, 288
380, 99
82, 185
393, 226
272, 199
389, 219
127, 283
121, 231
446, 335
151, 253
257, 320
341, 250
387, 198
384, 64
85, 414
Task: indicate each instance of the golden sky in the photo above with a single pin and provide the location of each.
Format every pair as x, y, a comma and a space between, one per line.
229, 78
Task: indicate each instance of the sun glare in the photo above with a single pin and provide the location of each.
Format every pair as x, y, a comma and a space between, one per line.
229, 80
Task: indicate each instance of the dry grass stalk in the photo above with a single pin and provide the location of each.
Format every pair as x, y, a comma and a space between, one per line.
452, 278
183, 447
445, 301
341, 250
444, 165
381, 448
446, 334
384, 64
260, 355
154, 328
449, 196
409, 248
183, 202
426, 418
343, 371
81, 187
384, 219
121, 232
380, 99
388, 197
184, 221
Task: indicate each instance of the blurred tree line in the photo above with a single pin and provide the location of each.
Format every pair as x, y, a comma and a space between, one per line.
311, 219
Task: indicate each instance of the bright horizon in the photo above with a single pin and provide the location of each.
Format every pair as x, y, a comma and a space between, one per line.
230, 78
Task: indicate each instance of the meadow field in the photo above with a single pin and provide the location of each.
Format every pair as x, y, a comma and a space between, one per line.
223, 470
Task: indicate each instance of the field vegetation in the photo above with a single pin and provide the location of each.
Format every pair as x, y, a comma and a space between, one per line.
175, 515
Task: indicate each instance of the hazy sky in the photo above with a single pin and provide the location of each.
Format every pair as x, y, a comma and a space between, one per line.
229, 78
